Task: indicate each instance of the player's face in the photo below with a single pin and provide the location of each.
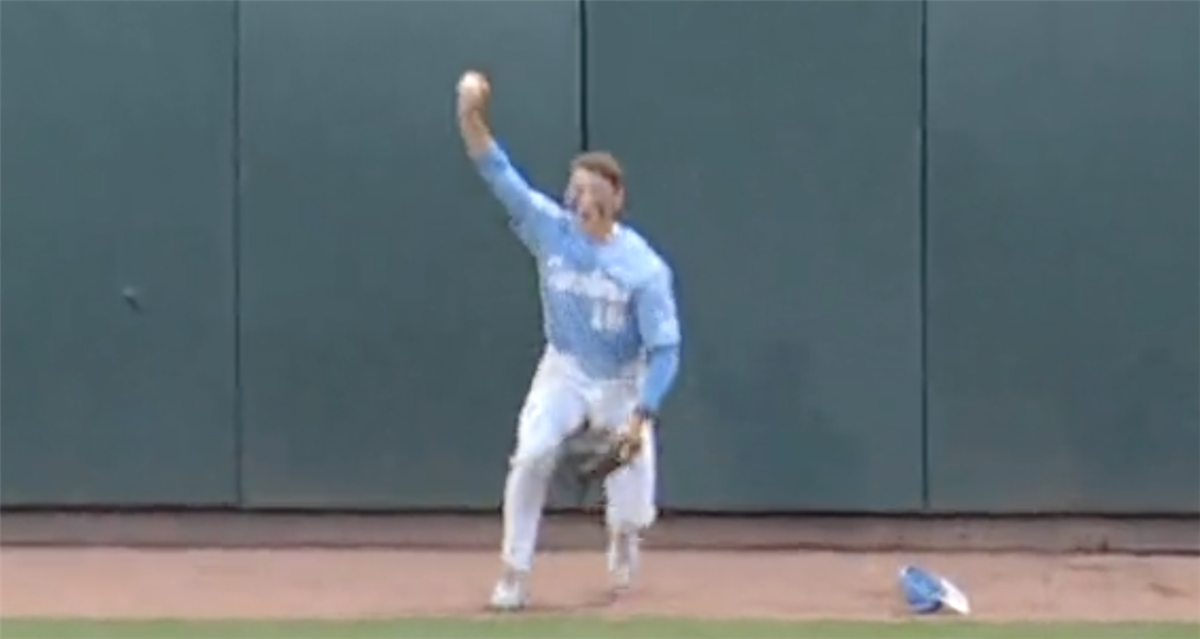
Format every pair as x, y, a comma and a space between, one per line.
595, 200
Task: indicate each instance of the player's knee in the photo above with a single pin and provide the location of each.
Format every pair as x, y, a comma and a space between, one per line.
539, 462
539, 448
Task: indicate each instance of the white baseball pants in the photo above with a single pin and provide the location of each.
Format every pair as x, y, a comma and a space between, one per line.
560, 398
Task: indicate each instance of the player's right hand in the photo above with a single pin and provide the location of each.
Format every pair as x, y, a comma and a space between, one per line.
473, 92
631, 438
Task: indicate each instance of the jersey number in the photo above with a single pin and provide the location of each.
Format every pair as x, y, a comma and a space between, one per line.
608, 318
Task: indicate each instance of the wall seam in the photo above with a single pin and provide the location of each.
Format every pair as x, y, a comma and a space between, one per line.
923, 225
236, 215
581, 58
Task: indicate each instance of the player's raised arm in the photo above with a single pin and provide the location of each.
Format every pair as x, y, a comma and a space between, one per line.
533, 214
658, 325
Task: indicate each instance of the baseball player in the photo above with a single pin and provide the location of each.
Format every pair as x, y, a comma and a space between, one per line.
612, 345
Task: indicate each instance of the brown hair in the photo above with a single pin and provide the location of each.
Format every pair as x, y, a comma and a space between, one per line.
601, 163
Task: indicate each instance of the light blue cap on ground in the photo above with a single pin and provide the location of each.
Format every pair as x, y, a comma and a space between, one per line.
926, 593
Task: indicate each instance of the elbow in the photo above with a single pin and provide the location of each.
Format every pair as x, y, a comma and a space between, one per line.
498, 172
667, 354
666, 360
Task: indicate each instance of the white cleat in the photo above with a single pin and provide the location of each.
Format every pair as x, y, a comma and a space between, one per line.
622, 559
511, 592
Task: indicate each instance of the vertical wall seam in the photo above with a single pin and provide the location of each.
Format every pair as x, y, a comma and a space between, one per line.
236, 219
923, 225
581, 59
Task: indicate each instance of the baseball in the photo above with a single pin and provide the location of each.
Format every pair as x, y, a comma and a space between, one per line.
471, 83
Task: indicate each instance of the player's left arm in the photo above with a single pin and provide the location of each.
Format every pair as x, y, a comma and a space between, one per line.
658, 325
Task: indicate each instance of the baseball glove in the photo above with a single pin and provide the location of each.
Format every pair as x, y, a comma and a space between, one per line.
592, 454
595, 453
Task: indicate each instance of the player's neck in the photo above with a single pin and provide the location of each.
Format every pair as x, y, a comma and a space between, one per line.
601, 234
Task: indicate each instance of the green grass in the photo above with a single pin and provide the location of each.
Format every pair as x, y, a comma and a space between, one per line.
582, 627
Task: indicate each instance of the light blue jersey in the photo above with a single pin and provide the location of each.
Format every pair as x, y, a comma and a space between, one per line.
610, 305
